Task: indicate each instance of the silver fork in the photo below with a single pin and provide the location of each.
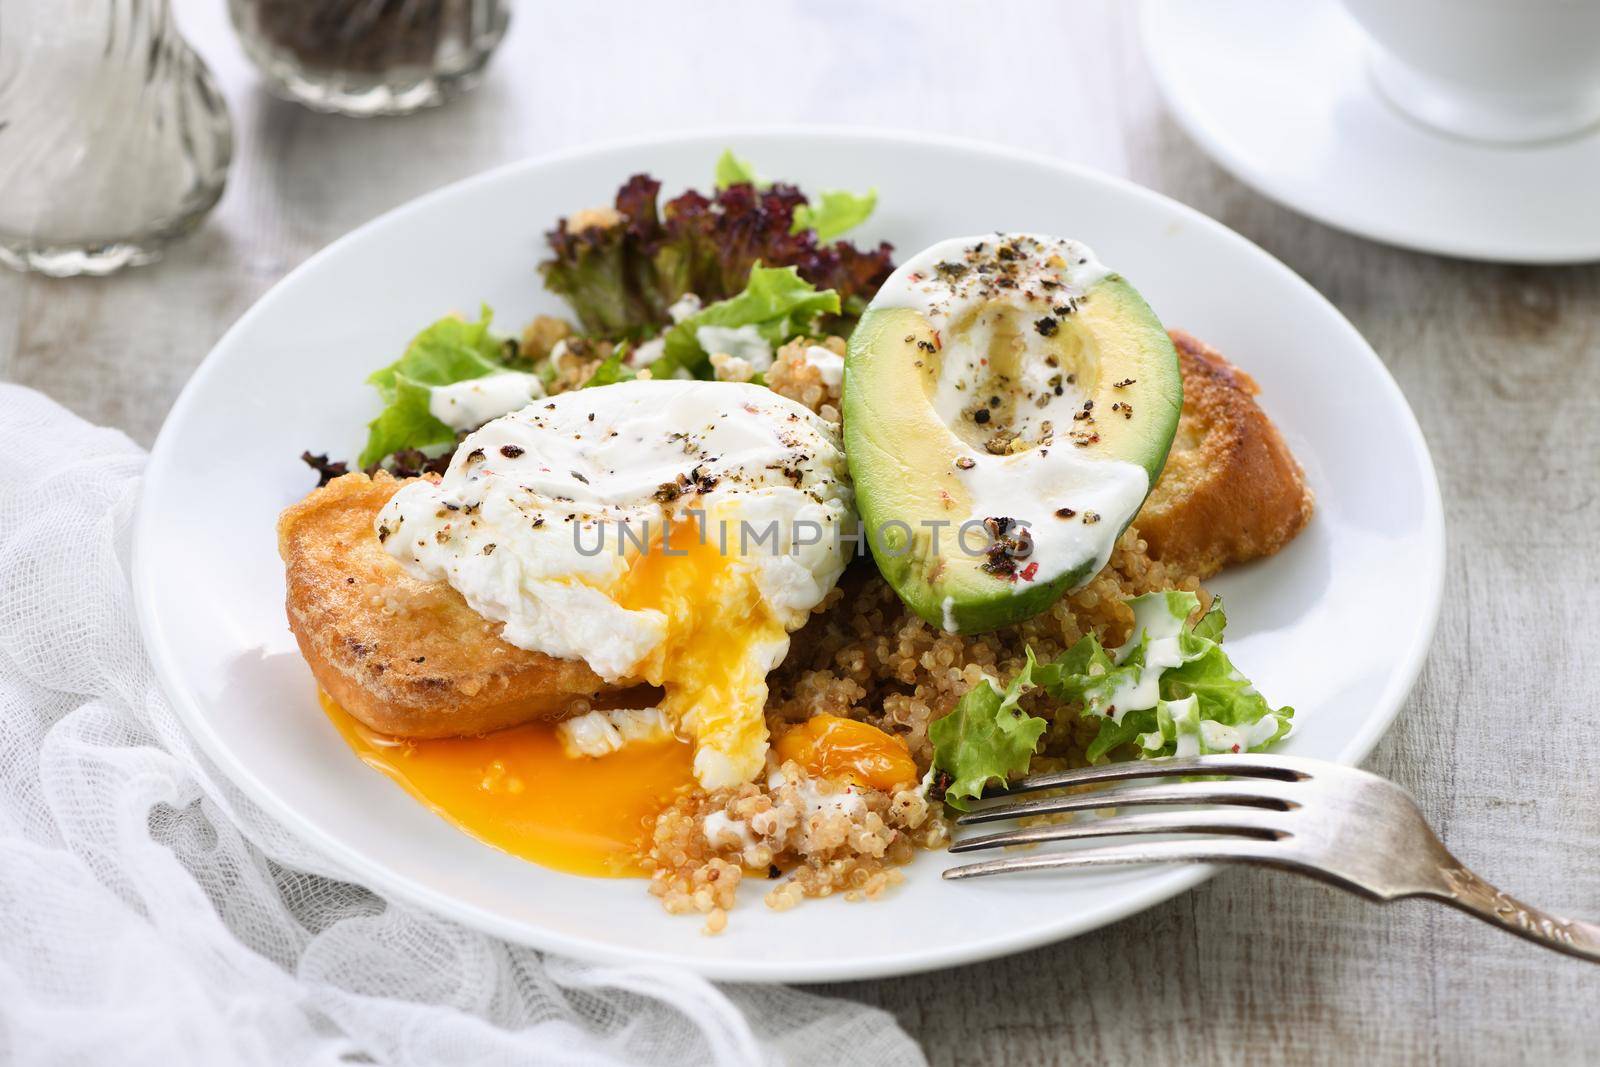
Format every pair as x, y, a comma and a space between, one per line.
1344, 826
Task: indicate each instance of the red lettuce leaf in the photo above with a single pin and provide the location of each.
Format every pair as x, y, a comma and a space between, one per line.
620, 279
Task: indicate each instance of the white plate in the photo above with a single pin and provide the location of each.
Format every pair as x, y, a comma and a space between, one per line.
1337, 624
1280, 95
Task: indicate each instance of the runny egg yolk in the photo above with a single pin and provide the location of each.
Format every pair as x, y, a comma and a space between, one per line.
720, 643
518, 790
829, 746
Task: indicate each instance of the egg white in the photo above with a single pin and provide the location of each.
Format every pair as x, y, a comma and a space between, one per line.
540, 519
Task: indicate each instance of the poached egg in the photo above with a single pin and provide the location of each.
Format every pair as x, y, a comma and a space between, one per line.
668, 533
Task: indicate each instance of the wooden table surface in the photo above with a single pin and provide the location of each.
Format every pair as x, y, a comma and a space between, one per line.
1502, 365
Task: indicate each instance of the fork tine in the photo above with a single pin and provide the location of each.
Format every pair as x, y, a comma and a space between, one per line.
1212, 850
1246, 766
1260, 794
1266, 825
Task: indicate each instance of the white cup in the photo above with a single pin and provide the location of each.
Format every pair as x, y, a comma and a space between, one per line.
1509, 71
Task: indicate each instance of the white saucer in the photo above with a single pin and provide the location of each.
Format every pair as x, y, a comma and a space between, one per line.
1281, 96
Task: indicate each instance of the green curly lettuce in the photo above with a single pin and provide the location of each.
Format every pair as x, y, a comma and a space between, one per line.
986, 738
613, 369
836, 212
451, 350
731, 170
1169, 690
777, 304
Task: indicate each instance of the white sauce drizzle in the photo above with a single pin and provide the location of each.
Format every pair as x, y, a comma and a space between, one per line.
1152, 619
740, 342
648, 352
1220, 737
721, 830
469, 404
1195, 736
684, 307
829, 364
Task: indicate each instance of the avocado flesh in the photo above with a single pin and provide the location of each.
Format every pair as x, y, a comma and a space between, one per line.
904, 453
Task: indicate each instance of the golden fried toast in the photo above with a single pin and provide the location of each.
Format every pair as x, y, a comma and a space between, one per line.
404, 656
1231, 490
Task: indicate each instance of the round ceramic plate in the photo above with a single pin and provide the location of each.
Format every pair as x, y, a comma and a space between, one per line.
1280, 95
1337, 624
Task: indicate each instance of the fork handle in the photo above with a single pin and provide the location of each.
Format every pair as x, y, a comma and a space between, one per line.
1463, 889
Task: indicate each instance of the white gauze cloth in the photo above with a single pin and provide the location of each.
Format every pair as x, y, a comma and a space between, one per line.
151, 914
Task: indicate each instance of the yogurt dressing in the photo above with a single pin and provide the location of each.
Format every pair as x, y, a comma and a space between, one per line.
648, 352
722, 829
740, 342
1195, 736
1220, 737
684, 307
829, 364
469, 404
1155, 622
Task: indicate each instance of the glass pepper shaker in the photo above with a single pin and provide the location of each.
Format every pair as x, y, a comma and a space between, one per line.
113, 137
370, 57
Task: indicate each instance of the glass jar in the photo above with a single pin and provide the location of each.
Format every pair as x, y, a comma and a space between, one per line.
113, 137
370, 57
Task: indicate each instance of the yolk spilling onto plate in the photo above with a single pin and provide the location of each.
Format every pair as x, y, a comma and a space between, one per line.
719, 644
518, 790
845, 750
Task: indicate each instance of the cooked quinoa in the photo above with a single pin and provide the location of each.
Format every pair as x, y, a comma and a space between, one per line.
812, 837
863, 656
793, 376
866, 656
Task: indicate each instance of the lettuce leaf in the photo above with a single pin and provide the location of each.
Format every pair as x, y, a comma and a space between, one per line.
403, 424
450, 350
613, 368
986, 738
1171, 688
1211, 624
620, 279
731, 170
836, 213
779, 303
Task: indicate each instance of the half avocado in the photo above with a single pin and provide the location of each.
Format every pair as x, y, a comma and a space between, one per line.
1008, 403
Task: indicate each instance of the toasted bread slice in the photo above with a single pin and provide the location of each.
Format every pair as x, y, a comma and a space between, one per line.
1231, 490
404, 656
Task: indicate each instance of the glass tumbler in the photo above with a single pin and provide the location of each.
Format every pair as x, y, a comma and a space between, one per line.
370, 57
113, 137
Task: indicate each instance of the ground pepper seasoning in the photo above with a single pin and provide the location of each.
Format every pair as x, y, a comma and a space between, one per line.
368, 57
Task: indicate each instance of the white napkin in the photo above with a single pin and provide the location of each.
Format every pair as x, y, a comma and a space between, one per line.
150, 913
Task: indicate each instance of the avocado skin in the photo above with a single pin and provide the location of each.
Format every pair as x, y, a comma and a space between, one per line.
901, 456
